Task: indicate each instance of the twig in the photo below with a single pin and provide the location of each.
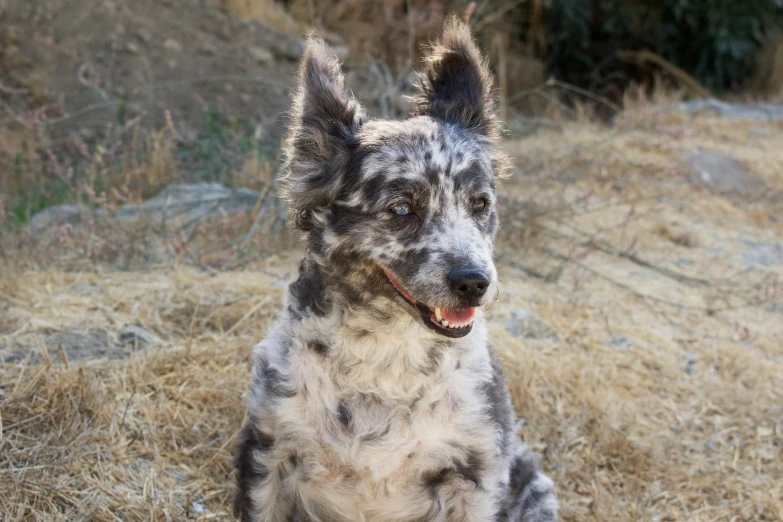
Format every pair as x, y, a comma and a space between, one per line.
253, 229
630, 289
127, 405
584, 92
501, 41
640, 57
411, 34
600, 245
491, 17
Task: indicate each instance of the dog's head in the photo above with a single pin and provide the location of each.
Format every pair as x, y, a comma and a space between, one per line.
404, 209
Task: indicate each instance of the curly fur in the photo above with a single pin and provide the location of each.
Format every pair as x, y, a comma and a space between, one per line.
364, 408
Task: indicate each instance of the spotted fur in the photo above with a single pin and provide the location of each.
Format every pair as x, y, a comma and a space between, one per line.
363, 408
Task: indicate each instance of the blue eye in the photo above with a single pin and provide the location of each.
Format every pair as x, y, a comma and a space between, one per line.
401, 209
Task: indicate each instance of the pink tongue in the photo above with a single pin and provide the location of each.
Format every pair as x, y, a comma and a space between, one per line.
458, 315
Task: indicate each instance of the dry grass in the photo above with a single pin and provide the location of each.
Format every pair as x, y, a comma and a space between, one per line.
267, 11
641, 335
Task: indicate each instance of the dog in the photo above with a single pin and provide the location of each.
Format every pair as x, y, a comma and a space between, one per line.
375, 396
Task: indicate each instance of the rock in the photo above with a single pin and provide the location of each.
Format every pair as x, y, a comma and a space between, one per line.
172, 45
620, 341
690, 361
279, 284
137, 336
261, 55
289, 48
775, 308
144, 35
723, 175
183, 202
762, 253
732, 111
174, 204
85, 288
340, 51
207, 49
527, 325
132, 48
90, 344
56, 216
87, 134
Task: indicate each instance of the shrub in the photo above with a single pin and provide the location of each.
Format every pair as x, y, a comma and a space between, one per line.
716, 42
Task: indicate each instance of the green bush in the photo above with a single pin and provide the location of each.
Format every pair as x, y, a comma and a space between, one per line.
715, 41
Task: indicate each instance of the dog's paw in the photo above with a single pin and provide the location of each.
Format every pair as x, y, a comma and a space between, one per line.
539, 503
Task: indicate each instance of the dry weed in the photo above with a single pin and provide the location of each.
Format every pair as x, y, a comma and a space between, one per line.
647, 367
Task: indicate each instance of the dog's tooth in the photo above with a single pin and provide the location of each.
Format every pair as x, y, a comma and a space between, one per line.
445, 323
438, 317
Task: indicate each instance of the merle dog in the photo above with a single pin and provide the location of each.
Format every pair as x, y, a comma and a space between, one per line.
375, 396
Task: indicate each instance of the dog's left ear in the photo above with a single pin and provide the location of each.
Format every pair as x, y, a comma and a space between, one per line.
455, 84
324, 122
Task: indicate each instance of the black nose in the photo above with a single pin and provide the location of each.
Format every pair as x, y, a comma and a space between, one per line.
468, 283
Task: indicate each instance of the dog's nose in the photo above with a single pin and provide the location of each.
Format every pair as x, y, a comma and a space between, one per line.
468, 283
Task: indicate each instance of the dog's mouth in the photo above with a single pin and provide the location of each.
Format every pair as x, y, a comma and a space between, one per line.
451, 322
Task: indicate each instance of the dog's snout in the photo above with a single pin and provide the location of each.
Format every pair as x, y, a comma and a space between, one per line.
469, 283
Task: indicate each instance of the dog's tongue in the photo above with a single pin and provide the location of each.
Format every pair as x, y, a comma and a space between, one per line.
458, 315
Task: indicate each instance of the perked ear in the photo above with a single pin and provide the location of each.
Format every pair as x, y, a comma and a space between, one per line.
324, 121
455, 84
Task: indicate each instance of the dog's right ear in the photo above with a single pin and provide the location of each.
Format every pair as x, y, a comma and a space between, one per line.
324, 122
455, 84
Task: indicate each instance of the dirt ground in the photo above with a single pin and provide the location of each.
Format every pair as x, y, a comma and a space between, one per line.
82, 68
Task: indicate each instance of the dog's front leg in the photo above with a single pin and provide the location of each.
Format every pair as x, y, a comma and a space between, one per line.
531, 493
264, 491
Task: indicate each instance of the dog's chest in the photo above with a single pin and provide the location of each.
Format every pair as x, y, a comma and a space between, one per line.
390, 433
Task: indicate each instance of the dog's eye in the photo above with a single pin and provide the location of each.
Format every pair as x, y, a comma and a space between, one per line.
479, 205
401, 209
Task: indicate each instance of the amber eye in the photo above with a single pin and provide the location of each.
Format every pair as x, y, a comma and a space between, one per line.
479, 205
401, 209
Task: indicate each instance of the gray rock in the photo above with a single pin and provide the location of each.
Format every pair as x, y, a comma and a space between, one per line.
341, 51
289, 48
620, 342
723, 174
137, 336
762, 253
261, 55
172, 45
280, 284
187, 201
732, 111
56, 216
525, 324
690, 361
175, 204
93, 343
207, 49
143, 35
